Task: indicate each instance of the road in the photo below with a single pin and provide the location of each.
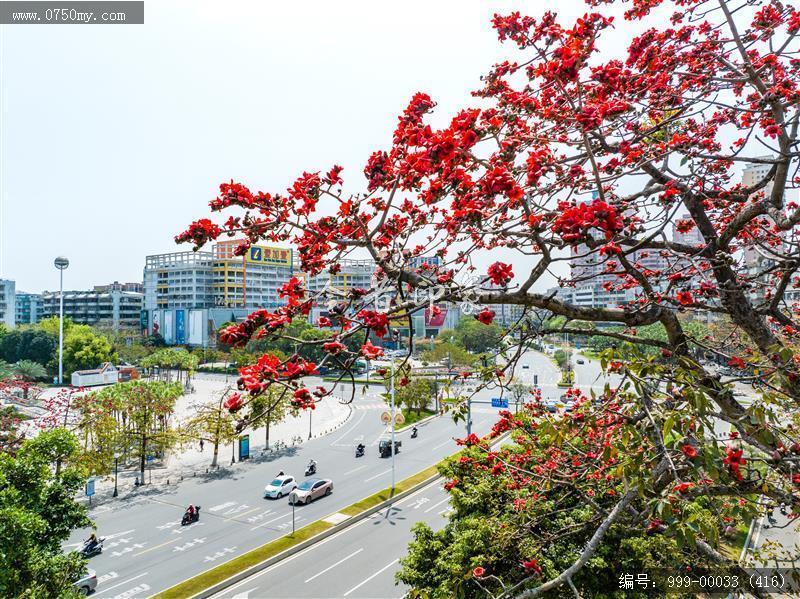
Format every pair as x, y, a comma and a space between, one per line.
358, 562
147, 550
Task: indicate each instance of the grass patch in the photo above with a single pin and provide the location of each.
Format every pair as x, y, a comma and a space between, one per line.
567, 379
592, 355
411, 416
194, 585
731, 547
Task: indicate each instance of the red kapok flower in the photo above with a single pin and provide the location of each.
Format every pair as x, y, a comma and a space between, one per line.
371, 352
478, 572
532, 565
736, 362
689, 450
500, 273
233, 403
485, 316
334, 347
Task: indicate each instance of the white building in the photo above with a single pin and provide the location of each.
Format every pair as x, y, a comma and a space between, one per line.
113, 309
8, 303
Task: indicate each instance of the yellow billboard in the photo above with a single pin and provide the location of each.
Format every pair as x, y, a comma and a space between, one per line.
260, 254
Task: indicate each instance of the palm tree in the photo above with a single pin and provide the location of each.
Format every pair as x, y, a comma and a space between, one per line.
28, 370
6, 371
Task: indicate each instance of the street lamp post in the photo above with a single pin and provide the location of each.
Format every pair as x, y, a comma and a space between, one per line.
392, 409
61, 263
116, 470
309, 423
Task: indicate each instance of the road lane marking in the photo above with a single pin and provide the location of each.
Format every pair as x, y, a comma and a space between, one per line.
435, 505
443, 444
107, 577
361, 584
255, 509
354, 470
134, 592
155, 547
319, 544
350, 430
119, 584
334, 565
378, 475
221, 506
286, 515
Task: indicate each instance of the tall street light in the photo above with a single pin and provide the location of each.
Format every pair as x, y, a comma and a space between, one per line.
61, 264
117, 456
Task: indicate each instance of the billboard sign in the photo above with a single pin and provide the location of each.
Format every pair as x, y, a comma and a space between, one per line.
180, 326
435, 320
259, 254
144, 320
498, 402
244, 447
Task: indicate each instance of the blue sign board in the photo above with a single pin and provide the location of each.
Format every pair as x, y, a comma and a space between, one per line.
180, 326
149, 459
244, 447
498, 402
90, 487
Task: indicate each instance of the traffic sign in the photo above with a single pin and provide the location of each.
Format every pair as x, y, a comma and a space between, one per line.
386, 417
90, 487
498, 402
399, 418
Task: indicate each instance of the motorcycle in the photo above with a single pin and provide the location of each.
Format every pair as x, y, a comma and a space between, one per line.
311, 470
359, 451
90, 550
191, 518
414, 433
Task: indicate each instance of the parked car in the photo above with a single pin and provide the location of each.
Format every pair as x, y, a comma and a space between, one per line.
87, 583
580, 361
311, 489
280, 486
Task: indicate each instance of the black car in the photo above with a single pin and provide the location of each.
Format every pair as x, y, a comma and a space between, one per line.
385, 447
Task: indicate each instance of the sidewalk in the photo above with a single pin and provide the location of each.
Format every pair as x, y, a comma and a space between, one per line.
189, 461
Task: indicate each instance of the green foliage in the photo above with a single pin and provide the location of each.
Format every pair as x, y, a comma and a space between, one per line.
477, 337
598, 343
176, 358
37, 513
297, 337
133, 417
447, 352
28, 370
85, 349
28, 344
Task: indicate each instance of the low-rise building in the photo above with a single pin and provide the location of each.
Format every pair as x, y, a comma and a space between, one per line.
113, 309
28, 307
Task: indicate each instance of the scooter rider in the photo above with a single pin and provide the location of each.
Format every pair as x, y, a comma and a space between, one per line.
91, 542
190, 511
360, 448
414, 431
312, 466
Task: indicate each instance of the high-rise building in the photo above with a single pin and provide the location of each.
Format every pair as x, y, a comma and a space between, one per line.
352, 274
8, 306
113, 309
189, 295
28, 307
117, 286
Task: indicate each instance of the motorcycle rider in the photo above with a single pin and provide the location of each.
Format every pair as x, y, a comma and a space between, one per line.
360, 448
312, 466
91, 542
191, 511
414, 431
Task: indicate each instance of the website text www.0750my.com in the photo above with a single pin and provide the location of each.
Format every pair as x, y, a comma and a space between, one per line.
67, 15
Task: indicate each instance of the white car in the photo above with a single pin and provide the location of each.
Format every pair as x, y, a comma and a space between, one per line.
280, 486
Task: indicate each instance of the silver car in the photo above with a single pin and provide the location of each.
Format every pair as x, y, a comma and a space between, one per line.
87, 584
282, 485
311, 489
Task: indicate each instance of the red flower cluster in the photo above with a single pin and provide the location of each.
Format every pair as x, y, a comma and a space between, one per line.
334, 347
574, 222
485, 316
303, 399
734, 460
257, 378
500, 273
199, 232
377, 321
371, 352
233, 403
689, 450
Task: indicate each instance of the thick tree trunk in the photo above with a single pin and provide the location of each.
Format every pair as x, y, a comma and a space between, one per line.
269, 418
216, 454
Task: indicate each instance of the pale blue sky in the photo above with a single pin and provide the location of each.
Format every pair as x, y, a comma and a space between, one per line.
115, 137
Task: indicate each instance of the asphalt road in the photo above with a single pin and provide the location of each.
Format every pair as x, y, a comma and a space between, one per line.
147, 550
359, 562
